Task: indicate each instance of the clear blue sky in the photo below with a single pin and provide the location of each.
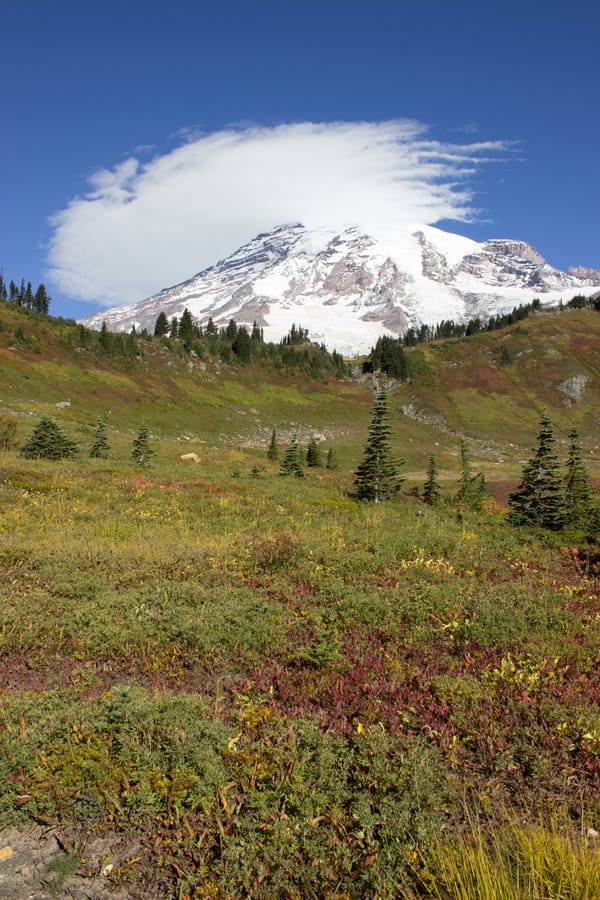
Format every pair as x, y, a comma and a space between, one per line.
84, 86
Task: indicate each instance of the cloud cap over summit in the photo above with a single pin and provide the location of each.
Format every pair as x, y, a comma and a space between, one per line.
142, 226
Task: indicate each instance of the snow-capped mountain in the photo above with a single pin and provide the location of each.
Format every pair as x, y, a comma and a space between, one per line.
349, 288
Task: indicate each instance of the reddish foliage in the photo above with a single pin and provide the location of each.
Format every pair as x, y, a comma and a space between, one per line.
583, 343
505, 731
500, 490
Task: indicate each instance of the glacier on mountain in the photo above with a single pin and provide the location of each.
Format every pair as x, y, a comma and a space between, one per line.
348, 288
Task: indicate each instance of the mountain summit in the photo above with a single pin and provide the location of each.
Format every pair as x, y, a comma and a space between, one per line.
347, 288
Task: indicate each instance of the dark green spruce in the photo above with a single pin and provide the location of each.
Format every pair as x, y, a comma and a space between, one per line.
377, 477
540, 498
471, 488
578, 490
141, 452
273, 451
100, 446
292, 462
48, 441
313, 454
432, 493
161, 326
8, 430
332, 461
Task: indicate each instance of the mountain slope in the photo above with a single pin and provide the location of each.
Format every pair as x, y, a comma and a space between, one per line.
493, 386
489, 387
47, 367
349, 288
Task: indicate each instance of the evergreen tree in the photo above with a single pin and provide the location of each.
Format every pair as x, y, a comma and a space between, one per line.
140, 449
132, 347
100, 446
377, 476
8, 430
578, 490
313, 454
540, 498
83, 336
332, 460
28, 297
432, 493
231, 330
472, 488
273, 452
186, 329
410, 337
48, 441
41, 300
463, 494
242, 344
106, 339
291, 464
296, 335
479, 490
161, 326
389, 356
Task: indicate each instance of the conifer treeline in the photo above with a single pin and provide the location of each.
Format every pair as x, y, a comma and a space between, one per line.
388, 353
552, 495
235, 343
24, 295
295, 458
49, 441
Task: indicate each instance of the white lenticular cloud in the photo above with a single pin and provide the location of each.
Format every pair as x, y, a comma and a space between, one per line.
146, 226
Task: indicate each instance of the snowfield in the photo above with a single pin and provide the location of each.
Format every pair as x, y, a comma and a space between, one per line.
348, 288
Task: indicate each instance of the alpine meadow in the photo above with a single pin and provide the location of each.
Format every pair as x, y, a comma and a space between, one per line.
278, 623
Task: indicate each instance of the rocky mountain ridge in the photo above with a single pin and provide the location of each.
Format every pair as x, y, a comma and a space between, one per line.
347, 288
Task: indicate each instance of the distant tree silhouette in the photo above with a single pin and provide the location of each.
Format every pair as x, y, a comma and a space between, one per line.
472, 488
185, 330
332, 461
273, 452
432, 493
41, 300
313, 454
242, 345
578, 490
161, 325
8, 430
100, 446
140, 448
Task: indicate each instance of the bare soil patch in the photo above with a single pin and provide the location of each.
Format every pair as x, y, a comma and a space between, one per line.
38, 863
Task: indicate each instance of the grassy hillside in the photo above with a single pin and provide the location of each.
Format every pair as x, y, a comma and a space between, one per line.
489, 388
217, 682
492, 386
176, 393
